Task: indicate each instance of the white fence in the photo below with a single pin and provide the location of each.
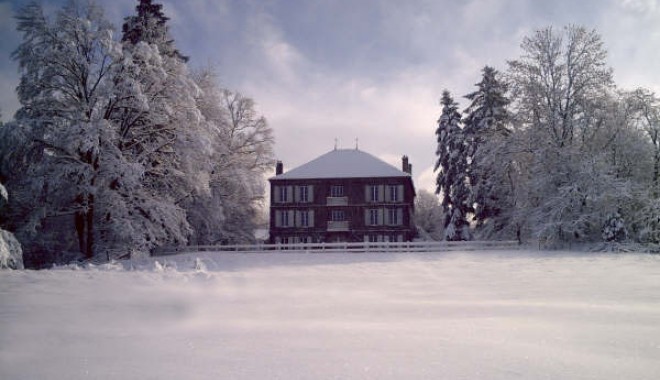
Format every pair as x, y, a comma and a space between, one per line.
440, 246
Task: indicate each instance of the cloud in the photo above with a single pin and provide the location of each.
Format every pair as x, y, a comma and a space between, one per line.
374, 69
631, 37
426, 180
640, 7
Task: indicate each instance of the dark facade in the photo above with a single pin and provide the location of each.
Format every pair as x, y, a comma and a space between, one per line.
351, 208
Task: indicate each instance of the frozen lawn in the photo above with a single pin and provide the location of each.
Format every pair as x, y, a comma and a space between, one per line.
482, 315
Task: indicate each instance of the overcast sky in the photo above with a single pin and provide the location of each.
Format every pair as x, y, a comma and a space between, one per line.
371, 70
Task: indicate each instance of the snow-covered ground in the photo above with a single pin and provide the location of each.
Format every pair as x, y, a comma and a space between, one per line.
479, 315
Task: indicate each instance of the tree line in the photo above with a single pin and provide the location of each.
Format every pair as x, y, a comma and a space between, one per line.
119, 147
551, 150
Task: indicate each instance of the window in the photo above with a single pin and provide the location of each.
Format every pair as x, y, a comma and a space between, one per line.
337, 191
393, 217
283, 194
373, 217
394, 193
284, 219
373, 239
374, 194
303, 194
304, 218
338, 215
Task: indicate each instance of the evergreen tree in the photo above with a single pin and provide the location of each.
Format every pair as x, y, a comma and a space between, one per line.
150, 26
161, 127
485, 128
451, 166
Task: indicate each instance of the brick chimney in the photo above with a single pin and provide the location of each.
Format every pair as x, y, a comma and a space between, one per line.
406, 166
279, 168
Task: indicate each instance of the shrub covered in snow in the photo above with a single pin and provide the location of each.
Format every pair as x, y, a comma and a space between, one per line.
11, 255
614, 229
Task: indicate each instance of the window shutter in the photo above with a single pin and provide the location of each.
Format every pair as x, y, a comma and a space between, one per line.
399, 194
399, 217
381, 193
310, 195
297, 220
289, 194
311, 218
292, 215
367, 220
366, 193
387, 193
381, 216
296, 193
276, 195
278, 218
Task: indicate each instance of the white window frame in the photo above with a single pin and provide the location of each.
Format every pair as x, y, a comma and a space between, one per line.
393, 217
374, 218
284, 219
394, 193
338, 215
336, 191
304, 218
374, 193
283, 194
303, 194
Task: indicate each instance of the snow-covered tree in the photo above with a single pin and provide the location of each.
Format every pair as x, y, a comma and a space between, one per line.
115, 142
429, 217
161, 122
11, 254
485, 129
558, 80
241, 143
561, 86
100, 136
150, 25
67, 73
451, 165
614, 229
645, 114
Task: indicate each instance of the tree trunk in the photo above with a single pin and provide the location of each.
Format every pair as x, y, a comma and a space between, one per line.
656, 172
79, 220
89, 249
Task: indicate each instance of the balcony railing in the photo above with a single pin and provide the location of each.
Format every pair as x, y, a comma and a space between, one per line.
336, 225
337, 201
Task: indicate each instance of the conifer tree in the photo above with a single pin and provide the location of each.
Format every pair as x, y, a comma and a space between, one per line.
150, 25
485, 126
451, 166
161, 124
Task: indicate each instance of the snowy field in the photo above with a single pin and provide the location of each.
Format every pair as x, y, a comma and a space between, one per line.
479, 315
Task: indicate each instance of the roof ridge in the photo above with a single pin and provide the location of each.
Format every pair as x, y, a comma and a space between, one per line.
343, 163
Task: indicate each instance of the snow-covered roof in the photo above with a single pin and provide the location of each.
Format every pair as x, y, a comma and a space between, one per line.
343, 163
